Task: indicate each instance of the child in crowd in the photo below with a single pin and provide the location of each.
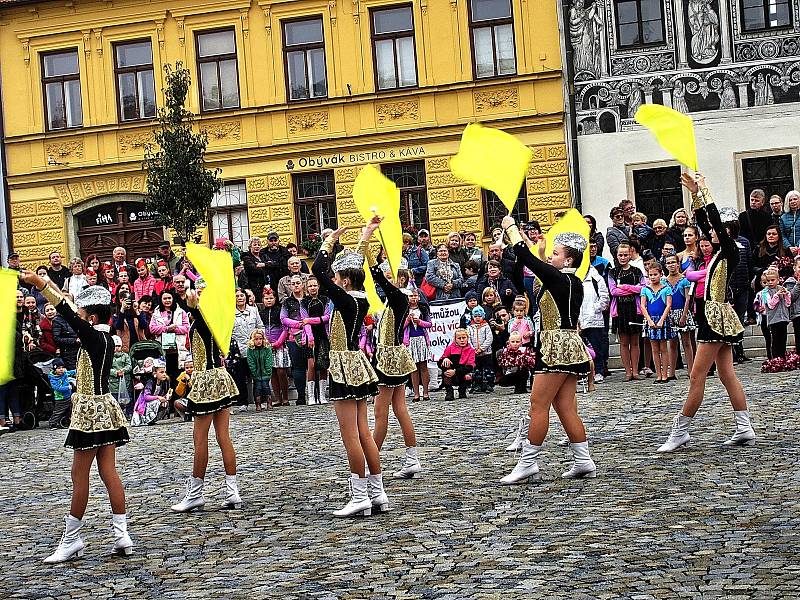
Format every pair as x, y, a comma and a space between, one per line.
480, 338
62, 391
490, 302
602, 265
515, 362
499, 325
656, 303
457, 363
471, 298
641, 229
777, 312
760, 305
625, 286
365, 340
471, 269
121, 368
154, 397
520, 322
681, 317
183, 385
794, 309
416, 337
260, 360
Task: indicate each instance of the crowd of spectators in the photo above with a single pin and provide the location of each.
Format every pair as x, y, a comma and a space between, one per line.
649, 265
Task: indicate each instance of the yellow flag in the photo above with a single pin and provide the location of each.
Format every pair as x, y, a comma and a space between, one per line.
571, 222
673, 130
375, 194
8, 323
218, 300
494, 160
375, 302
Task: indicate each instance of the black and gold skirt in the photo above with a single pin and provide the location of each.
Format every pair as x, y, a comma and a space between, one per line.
561, 351
96, 421
717, 322
212, 391
393, 365
350, 376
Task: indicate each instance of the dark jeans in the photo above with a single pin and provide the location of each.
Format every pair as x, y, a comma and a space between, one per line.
767, 337
777, 332
9, 399
796, 331
518, 380
299, 365
597, 338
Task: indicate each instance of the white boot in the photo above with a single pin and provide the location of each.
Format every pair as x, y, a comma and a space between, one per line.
679, 434
233, 500
123, 545
71, 544
377, 495
583, 465
193, 498
310, 399
411, 465
522, 434
744, 436
526, 465
323, 391
359, 504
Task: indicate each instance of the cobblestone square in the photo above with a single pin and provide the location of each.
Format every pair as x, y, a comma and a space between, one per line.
707, 521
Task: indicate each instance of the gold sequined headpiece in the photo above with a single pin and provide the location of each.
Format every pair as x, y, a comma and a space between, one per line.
347, 259
572, 240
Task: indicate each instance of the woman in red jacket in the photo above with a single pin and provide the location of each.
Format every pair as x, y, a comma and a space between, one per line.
47, 342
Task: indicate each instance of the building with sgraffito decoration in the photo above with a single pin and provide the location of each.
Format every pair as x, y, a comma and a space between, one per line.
295, 96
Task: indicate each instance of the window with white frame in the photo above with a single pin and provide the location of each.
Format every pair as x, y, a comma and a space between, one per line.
61, 84
393, 47
304, 57
491, 26
228, 214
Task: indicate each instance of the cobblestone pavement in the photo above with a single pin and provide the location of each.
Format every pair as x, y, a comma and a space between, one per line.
707, 521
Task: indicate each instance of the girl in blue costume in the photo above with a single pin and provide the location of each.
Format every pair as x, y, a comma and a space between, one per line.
656, 302
681, 316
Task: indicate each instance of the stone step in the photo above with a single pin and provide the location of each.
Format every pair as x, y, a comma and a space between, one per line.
754, 346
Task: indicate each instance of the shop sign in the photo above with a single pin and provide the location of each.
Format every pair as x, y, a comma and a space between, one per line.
136, 215
353, 158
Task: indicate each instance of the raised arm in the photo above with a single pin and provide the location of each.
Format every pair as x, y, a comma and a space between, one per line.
81, 327
547, 274
322, 265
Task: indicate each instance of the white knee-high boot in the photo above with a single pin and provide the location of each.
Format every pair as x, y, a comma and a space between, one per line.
526, 467
744, 435
359, 504
583, 465
679, 435
122, 541
193, 498
71, 544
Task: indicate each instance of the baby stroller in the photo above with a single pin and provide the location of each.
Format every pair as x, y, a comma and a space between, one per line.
35, 394
139, 353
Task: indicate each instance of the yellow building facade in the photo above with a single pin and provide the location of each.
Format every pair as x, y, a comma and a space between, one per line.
295, 96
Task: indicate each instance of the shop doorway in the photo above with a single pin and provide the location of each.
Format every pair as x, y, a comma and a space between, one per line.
128, 224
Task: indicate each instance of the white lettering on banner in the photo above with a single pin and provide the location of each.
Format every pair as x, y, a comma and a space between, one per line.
445, 318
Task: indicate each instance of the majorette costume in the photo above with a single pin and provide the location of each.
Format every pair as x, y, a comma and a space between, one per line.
350, 375
718, 321
392, 359
560, 348
213, 388
97, 418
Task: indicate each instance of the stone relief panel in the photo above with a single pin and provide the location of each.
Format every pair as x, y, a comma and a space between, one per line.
698, 68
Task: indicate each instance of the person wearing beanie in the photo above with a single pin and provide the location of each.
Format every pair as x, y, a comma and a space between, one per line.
59, 378
471, 298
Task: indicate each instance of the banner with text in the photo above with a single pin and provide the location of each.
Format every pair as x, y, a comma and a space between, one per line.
445, 316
